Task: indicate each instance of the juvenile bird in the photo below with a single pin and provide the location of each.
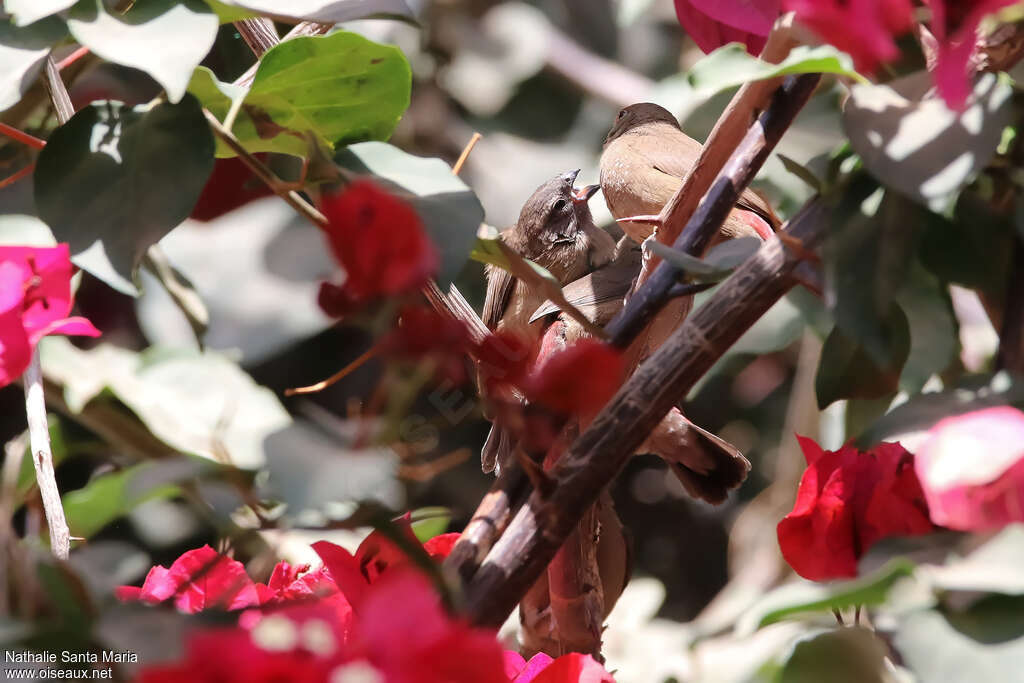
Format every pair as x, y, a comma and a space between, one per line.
555, 230
646, 156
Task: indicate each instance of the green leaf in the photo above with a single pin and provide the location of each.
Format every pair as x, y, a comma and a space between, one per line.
910, 422
342, 88
430, 522
847, 370
800, 171
717, 265
807, 597
934, 334
23, 51
18, 229
227, 14
913, 143
165, 38
982, 643
107, 498
843, 655
115, 179
325, 11
730, 65
450, 212
993, 567
198, 403
25, 12
866, 261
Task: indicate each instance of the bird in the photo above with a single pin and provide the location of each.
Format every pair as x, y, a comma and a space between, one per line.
645, 157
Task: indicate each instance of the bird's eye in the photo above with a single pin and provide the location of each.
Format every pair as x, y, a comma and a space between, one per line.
622, 114
558, 206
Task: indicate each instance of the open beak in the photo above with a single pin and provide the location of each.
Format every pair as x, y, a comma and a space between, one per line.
583, 195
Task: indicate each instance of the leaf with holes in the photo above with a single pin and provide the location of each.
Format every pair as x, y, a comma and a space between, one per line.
340, 88
165, 38
115, 179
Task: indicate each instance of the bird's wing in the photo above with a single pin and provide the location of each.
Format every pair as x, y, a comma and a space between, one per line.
664, 160
500, 285
598, 295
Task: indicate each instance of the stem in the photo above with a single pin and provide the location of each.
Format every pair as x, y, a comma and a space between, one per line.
42, 459
18, 175
465, 153
15, 134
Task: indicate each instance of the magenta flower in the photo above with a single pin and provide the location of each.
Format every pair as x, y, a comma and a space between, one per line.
972, 469
866, 29
35, 300
713, 23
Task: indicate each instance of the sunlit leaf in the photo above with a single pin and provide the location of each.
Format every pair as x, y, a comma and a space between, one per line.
165, 38
22, 54
730, 65
325, 11
106, 498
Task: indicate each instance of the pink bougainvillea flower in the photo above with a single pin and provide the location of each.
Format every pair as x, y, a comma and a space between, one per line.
972, 469
571, 668
867, 29
713, 23
35, 300
381, 244
847, 501
955, 27
198, 580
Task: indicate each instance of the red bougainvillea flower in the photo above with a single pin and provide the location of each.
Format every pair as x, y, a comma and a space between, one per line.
571, 668
503, 361
972, 469
847, 501
866, 29
198, 580
230, 186
353, 574
380, 243
578, 379
955, 26
35, 300
713, 23
425, 336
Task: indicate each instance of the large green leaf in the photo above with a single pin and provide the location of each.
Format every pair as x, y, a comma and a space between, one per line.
994, 567
807, 597
197, 403
450, 211
731, 65
22, 54
165, 38
934, 340
913, 143
325, 11
340, 88
115, 179
847, 370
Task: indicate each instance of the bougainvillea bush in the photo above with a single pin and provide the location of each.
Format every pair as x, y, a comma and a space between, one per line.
245, 383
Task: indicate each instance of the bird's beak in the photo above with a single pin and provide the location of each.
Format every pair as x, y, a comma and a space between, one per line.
583, 195
570, 176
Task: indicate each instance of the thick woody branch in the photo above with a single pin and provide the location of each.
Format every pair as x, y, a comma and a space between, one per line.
542, 525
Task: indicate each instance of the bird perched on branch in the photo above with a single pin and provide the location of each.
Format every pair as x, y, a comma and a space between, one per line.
646, 156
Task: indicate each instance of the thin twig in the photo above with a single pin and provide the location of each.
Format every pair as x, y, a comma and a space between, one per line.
21, 136
457, 168
18, 175
336, 377
72, 58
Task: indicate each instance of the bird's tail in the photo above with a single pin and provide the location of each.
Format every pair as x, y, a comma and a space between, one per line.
707, 466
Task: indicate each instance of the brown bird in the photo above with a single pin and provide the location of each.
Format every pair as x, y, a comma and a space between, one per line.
555, 230
646, 156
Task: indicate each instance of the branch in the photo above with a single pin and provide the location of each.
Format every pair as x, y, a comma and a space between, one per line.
593, 461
